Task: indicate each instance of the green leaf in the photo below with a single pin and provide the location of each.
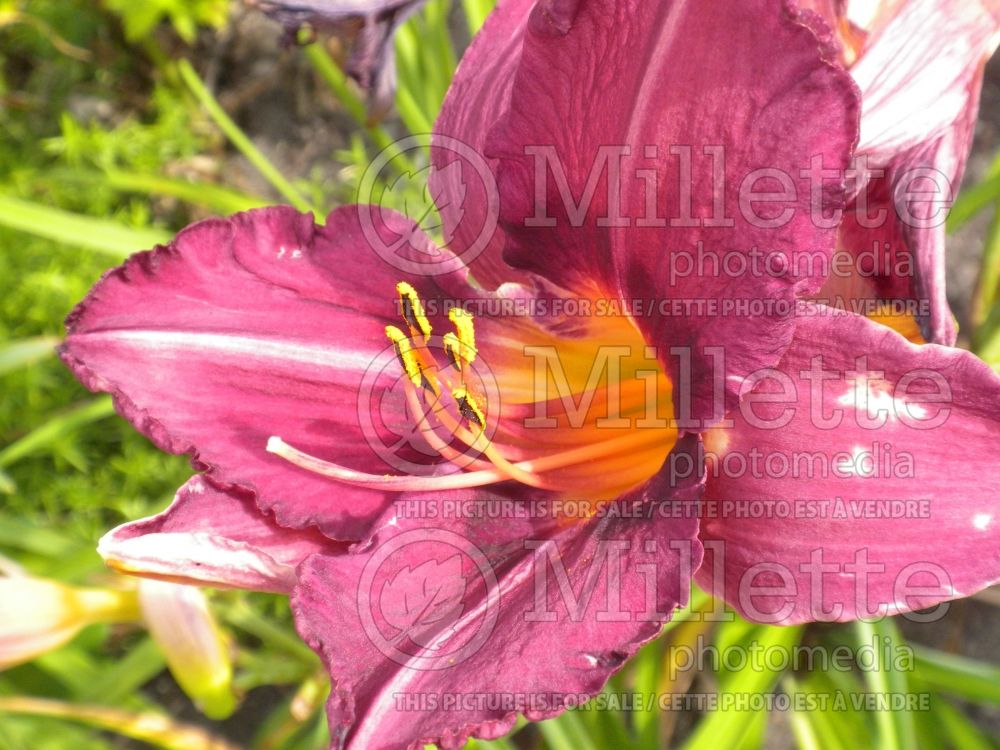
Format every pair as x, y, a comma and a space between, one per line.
566, 732
476, 12
264, 667
340, 85
811, 728
16, 533
100, 235
154, 728
32, 733
985, 310
410, 195
849, 726
972, 680
243, 617
930, 728
607, 727
239, 139
73, 665
896, 730
727, 728
973, 200
57, 427
217, 198
962, 733
16, 354
116, 684
646, 669
500, 744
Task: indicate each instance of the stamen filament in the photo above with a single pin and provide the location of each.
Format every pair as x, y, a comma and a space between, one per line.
583, 459
465, 480
430, 436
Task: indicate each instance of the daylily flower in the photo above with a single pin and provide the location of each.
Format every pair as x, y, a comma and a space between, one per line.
919, 65
520, 545
367, 27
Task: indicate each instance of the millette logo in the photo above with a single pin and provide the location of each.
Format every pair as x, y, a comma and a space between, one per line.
428, 599
458, 189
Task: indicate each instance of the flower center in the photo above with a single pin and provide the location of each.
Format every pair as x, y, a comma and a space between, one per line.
585, 414
904, 325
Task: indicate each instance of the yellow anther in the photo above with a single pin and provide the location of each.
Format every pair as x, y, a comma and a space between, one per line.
406, 354
413, 310
465, 328
468, 407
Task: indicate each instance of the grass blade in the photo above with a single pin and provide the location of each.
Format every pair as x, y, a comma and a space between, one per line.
216, 198
727, 728
896, 729
566, 732
476, 12
56, 427
973, 200
17, 354
239, 139
985, 296
962, 733
100, 235
335, 78
957, 675
154, 728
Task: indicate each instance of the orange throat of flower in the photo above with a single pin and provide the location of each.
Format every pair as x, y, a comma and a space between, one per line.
587, 417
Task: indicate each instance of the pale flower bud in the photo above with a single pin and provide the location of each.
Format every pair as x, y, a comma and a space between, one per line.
38, 615
195, 648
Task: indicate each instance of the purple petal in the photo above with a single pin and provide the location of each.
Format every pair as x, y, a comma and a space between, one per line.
887, 464
241, 329
479, 94
433, 632
213, 538
912, 238
657, 80
874, 273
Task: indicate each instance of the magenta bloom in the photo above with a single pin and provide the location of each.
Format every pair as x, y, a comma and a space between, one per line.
487, 473
919, 65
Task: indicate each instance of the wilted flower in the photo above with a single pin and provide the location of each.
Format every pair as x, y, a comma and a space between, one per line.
532, 535
367, 27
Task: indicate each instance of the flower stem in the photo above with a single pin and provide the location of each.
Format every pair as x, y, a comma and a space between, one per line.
239, 139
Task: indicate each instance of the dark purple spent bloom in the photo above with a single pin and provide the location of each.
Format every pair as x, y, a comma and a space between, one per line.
367, 28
